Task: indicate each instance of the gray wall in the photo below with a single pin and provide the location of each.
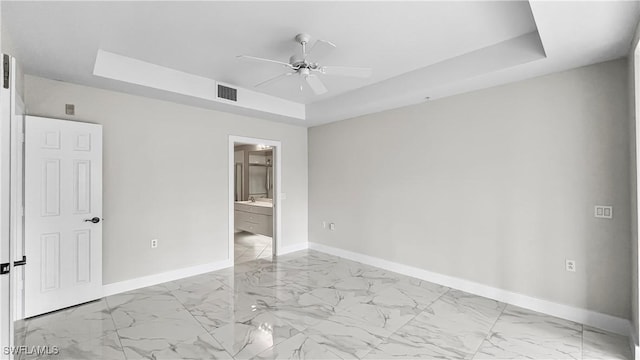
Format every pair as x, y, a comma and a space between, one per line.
166, 175
495, 186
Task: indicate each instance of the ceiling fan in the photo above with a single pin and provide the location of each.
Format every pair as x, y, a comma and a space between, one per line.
305, 65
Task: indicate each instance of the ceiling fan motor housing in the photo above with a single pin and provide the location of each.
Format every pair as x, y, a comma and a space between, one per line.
295, 60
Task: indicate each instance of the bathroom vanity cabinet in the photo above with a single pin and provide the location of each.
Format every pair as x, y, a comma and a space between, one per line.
255, 217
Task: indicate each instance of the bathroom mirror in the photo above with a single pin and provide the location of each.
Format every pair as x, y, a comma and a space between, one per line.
253, 172
239, 179
260, 177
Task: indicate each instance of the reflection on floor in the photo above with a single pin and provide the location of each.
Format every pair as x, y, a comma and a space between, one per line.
250, 246
314, 306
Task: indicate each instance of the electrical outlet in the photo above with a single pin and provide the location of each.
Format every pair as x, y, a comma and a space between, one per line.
603, 212
154, 243
332, 226
324, 224
570, 265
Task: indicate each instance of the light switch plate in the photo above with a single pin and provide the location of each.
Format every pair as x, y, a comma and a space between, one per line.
603, 212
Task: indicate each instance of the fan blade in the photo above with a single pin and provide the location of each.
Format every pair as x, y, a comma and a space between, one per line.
263, 59
316, 84
274, 79
359, 72
319, 50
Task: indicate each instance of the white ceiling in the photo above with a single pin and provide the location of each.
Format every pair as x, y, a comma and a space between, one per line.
416, 49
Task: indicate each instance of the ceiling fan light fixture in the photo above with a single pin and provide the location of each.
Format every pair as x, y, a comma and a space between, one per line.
306, 65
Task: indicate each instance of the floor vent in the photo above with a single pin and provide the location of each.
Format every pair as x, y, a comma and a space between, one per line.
227, 93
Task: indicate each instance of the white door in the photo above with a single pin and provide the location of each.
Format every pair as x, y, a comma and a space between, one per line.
63, 193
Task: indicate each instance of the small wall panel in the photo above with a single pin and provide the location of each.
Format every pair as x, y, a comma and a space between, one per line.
51, 187
82, 186
50, 257
51, 140
82, 142
83, 255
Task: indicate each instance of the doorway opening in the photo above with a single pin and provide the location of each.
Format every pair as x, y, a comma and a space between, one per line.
254, 182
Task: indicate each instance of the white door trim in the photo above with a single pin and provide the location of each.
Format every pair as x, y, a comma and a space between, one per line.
6, 248
17, 204
277, 166
635, 66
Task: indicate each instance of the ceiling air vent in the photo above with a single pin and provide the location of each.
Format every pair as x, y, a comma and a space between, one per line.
227, 93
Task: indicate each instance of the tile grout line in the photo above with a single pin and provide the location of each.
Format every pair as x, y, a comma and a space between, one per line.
261, 251
319, 321
490, 329
116, 328
272, 313
26, 332
407, 322
385, 287
197, 321
253, 247
582, 341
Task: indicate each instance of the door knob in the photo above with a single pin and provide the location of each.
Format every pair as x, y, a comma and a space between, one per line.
94, 220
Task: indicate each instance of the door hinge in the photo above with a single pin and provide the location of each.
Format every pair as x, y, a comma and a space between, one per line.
22, 138
20, 262
5, 268
5, 72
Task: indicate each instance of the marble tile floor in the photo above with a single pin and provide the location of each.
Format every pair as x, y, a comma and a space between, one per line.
248, 246
310, 305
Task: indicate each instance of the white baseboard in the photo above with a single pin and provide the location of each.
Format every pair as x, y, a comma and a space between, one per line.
599, 320
137, 283
633, 343
293, 248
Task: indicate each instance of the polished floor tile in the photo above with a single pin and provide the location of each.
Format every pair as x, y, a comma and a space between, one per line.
452, 327
598, 344
177, 338
309, 305
299, 346
245, 339
521, 333
248, 247
82, 332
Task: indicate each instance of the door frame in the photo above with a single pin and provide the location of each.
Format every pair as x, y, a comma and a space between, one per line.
277, 177
635, 68
17, 206
6, 243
